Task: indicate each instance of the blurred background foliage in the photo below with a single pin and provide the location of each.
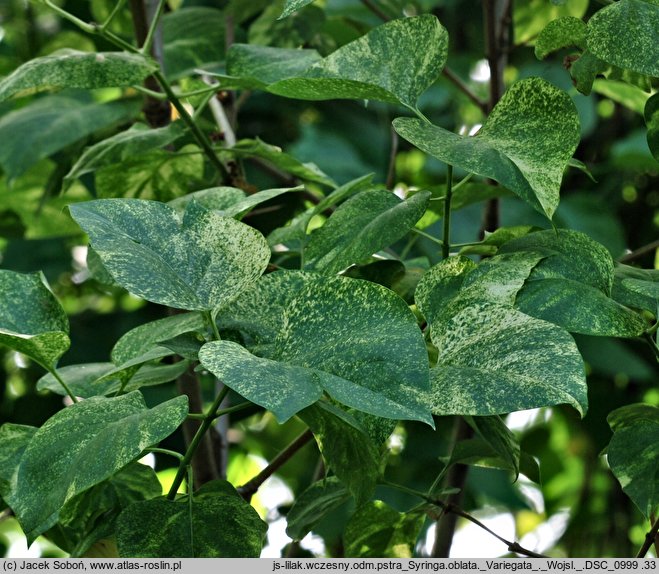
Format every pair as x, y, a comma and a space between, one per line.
579, 508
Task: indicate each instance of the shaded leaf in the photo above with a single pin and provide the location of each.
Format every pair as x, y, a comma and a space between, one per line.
312, 505
196, 262
73, 69
14, 439
32, 321
584, 71
525, 143
366, 223
625, 34
500, 439
495, 360
378, 531
91, 516
652, 121
217, 524
50, 124
158, 174
123, 146
560, 33
322, 330
274, 155
83, 445
342, 441
633, 454
194, 37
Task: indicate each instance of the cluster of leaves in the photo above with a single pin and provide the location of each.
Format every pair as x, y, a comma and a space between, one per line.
315, 315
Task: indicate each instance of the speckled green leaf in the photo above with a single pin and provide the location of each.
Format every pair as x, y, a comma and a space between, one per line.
141, 339
196, 262
395, 62
125, 372
91, 379
496, 360
560, 33
292, 6
250, 66
457, 282
342, 441
525, 143
531, 16
219, 525
366, 223
83, 445
584, 71
50, 124
244, 206
356, 340
32, 321
125, 145
213, 198
278, 158
626, 294
91, 515
378, 531
14, 440
652, 121
633, 454
159, 174
571, 287
73, 69
625, 34
312, 505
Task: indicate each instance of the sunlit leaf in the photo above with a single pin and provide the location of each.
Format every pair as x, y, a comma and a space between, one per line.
625, 34
525, 143
196, 262
72, 69
496, 360
308, 333
560, 33
292, 6
83, 445
31, 319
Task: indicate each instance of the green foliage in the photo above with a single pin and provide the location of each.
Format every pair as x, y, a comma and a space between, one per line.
226, 240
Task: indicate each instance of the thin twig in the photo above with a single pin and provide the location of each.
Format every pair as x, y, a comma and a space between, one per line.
464, 88
650, 539
639, 252
250, 488
376, 10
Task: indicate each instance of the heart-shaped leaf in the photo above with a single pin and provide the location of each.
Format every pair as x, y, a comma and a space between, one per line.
625, 34
83, 445
215, 524
495, 360
633, 453
366, 223
196, 262
32, 321
315, 333
525, 144
73, 69
571, 287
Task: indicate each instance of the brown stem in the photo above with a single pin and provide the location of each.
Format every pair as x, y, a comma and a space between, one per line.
156, 111
639, 252
250, 488
652, 537
464, 88
455, 478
